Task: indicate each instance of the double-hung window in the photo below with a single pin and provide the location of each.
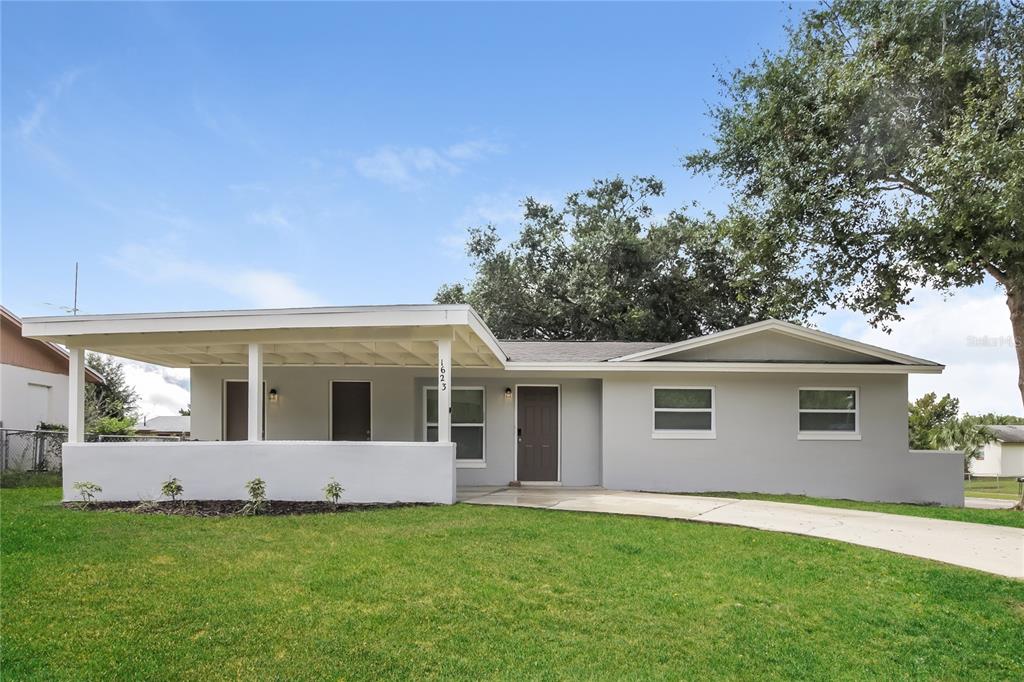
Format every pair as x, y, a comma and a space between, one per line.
468, 411
684, 412
829, 414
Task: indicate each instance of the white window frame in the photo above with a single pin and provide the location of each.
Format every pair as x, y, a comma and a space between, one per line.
671, 434
462, 463
829, 435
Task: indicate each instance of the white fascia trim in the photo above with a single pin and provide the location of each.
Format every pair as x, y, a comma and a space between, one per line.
814, 335
233, 320
759, 367
481, 329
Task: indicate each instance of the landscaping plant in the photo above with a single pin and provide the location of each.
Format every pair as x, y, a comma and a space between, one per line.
172, 488
257, 489
333, 491
87, 490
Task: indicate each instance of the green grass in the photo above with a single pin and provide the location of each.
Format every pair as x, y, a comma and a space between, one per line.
1002, 488
478, 592
995, 517
29, 479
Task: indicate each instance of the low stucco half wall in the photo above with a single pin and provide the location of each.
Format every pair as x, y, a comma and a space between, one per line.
369, 472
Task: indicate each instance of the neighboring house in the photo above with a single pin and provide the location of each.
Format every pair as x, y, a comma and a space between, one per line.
33, 378
165, 425
363, 394
1004, 456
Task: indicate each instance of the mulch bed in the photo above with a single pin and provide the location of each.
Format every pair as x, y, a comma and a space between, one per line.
231, 507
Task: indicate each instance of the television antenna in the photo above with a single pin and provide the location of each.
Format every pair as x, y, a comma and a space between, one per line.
74, 306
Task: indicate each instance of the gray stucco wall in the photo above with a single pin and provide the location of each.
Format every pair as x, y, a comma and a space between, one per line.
756, 448
302, 413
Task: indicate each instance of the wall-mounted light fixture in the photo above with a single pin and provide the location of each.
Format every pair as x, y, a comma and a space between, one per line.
508, 394
273, 395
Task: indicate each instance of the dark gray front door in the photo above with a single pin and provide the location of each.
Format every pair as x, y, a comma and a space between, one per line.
350, 410
537, 433
236, 411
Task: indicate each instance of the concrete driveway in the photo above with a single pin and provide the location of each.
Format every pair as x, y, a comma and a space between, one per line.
993, 549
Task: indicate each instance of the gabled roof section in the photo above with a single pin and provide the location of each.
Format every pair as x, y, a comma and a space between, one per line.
824, 348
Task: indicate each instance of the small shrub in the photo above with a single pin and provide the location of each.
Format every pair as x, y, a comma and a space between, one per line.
88, 491
257, 489
172, 488
333, 491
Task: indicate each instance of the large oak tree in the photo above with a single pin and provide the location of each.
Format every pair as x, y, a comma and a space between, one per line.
883, 149
602, 266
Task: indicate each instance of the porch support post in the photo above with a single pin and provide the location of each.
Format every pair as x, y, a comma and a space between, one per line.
255, 391
444, 390
76, 395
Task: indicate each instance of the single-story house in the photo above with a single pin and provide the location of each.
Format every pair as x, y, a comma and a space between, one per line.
166, 426
33, 378
1003, 456
407, 402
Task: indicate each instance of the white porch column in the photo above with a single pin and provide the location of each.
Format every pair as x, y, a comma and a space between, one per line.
255, 391
76, 395
444, 390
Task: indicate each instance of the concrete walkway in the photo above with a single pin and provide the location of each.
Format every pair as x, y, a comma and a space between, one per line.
993, 549
988, 503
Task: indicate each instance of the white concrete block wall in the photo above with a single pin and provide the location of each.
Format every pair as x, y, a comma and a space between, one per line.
29, 396
369, 472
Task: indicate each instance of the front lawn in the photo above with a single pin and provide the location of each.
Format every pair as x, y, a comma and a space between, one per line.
478, 592
998, 488
995, 517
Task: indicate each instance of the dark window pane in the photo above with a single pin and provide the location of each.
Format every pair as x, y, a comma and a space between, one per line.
431, 405
432, 434
467, 406
469, 441
827, 421
682, 397
679, 421
828, 400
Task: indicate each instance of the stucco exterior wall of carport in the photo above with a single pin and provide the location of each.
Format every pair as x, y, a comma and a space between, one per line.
302, 412
756, 447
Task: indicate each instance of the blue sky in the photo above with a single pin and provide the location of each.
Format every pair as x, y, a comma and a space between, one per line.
197, 156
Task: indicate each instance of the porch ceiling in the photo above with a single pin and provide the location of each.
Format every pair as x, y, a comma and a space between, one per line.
387, 336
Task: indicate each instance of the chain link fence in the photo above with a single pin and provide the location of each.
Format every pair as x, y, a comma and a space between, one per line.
23, 450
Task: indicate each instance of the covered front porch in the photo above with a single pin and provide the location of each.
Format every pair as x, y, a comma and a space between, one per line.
334, 400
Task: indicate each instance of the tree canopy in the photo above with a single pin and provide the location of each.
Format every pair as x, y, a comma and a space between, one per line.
883, 149
603, 266
112, 406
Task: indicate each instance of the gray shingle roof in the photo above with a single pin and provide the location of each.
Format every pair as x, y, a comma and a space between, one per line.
572, 351
1007, 433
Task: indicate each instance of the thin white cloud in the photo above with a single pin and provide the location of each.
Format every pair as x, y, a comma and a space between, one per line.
263, 288
473, 150
273, 217
29, 124
969, 332
409, 167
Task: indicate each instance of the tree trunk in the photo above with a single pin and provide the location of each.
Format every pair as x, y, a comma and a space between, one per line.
1015, 302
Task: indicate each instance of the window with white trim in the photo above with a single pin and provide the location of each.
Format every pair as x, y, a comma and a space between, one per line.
829, 412
467, 421
684, 412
